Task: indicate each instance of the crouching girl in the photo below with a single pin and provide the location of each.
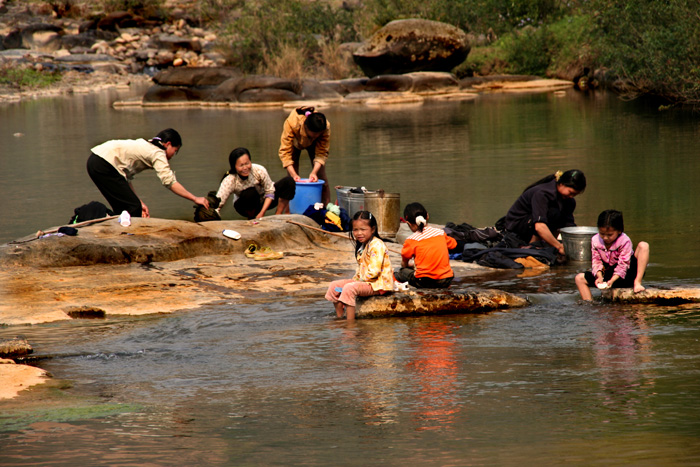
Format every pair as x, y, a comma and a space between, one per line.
614, 262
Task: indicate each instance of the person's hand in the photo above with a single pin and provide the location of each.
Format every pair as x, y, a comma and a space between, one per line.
260, 215
560, 250
144, 210
293, 173
313, 177
202, 201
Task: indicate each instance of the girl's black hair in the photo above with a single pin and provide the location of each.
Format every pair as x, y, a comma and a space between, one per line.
611, 218
372, 223
167, 136
316, 122
233, 157
413, 210
572, 178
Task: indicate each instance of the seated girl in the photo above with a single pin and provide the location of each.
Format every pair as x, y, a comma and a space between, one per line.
428, 247
612, 258
374, 275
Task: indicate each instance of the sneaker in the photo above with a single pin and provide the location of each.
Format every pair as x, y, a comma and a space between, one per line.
265, 253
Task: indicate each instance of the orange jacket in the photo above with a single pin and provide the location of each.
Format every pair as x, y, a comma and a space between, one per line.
430, 249
294, 136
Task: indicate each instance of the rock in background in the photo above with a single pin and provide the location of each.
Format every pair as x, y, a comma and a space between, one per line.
118, 42
408, 45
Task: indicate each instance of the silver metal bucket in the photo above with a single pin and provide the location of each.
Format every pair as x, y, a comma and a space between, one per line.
351, 202
577, 242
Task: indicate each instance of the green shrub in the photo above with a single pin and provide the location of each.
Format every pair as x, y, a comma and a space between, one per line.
653, 45
265, 29
529, 51
27, 77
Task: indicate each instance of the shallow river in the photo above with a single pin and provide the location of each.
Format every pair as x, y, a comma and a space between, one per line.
283, 382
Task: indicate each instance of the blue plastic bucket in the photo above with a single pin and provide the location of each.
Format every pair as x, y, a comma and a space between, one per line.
307, 193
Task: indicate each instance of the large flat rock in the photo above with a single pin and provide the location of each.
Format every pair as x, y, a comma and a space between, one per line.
162, 266
436, 302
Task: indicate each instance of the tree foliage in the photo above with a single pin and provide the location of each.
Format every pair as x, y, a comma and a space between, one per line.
652, 45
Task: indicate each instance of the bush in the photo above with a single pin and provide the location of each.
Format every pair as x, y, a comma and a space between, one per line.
23, 77
264, 30
654, 45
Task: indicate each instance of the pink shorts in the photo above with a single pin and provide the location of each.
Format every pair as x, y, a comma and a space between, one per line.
351, 290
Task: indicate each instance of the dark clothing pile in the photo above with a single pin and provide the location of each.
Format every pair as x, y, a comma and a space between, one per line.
491, 248
202, 214
90, 211
504, 257
465, 233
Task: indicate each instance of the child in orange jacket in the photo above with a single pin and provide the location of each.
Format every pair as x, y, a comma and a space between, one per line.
428, 247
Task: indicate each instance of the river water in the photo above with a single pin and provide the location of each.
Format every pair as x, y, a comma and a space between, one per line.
283, 382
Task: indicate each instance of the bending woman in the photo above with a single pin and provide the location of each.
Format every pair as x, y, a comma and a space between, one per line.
545, 207
253, 190
112, 166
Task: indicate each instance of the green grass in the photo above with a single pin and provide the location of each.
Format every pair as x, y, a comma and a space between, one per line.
27, 78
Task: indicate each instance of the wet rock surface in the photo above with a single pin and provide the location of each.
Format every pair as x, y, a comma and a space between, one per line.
669, 297
17, 347
436, 302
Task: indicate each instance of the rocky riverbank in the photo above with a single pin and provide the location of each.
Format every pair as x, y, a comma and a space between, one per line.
163, 266
188, 66
95, 52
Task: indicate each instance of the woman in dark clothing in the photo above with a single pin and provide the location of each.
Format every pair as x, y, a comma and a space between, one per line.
545, 207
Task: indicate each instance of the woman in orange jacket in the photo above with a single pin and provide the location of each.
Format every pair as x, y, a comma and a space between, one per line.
307, 129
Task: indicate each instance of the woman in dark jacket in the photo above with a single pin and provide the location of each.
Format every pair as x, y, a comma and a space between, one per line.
545, 207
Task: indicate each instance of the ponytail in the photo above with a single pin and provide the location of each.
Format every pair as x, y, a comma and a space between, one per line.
572, 178
416, 214
167, 136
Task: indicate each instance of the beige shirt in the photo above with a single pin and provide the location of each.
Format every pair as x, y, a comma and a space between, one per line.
131, 156
233, 184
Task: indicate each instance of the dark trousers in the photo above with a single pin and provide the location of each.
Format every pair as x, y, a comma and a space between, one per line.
113, 186
249, 202
326, 190
409, 275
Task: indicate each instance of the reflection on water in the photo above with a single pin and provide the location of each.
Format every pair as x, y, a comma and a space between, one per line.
623, 349
285, 383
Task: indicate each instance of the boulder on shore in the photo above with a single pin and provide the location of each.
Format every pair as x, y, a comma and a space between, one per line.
407, 45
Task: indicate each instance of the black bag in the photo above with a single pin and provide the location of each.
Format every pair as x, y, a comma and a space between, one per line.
90, 211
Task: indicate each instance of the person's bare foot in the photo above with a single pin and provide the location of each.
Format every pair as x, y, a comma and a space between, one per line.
639, 288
